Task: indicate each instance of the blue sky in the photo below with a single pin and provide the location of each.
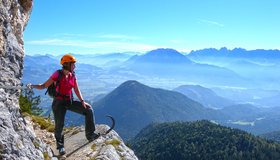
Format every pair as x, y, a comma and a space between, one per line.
105, 26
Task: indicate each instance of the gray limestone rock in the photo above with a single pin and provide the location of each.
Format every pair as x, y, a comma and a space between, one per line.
18, 140
106, 147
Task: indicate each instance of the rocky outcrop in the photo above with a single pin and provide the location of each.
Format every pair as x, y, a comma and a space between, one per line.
106, 147
17, 141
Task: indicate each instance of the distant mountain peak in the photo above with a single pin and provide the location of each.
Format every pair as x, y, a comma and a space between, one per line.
164, 51
131, 87
131, 84
163, 55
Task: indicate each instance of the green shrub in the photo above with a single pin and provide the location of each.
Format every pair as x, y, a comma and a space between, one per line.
29, 103
24, 104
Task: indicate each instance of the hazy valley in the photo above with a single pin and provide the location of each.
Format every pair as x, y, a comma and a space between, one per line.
235, 88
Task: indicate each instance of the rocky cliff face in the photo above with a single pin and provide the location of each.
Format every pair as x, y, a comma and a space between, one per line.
19, 139
16, 140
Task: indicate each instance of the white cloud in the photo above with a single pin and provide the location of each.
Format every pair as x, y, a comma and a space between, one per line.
118, 36
98, 36
211, 22
106, 46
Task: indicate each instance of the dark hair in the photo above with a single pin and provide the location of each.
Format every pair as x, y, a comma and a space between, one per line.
67, 66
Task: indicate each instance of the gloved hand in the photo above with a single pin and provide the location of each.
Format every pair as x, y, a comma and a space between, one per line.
29, 86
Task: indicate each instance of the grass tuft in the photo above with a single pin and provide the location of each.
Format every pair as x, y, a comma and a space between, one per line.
113, 142
43, 122
93, 147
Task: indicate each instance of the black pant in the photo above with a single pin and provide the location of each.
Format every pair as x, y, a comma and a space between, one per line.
60, 107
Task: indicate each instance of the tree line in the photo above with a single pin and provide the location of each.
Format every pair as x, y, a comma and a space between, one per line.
200, 140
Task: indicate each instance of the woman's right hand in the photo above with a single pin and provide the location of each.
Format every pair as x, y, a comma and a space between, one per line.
29, 86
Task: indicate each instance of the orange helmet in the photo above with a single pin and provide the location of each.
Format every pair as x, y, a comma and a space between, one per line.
67, 58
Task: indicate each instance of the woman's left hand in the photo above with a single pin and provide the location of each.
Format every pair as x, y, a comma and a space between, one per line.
86, 106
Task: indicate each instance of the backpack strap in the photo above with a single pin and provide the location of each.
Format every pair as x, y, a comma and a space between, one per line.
58, 80
56, 84
74, 76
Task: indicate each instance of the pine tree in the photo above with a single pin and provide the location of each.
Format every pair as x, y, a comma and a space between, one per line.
29, 103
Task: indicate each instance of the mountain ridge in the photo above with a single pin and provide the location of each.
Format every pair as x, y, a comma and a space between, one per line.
135, 105
180, 68
205, 96
237, 53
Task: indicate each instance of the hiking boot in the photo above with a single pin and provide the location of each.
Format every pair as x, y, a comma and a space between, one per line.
93, 137
61, 151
